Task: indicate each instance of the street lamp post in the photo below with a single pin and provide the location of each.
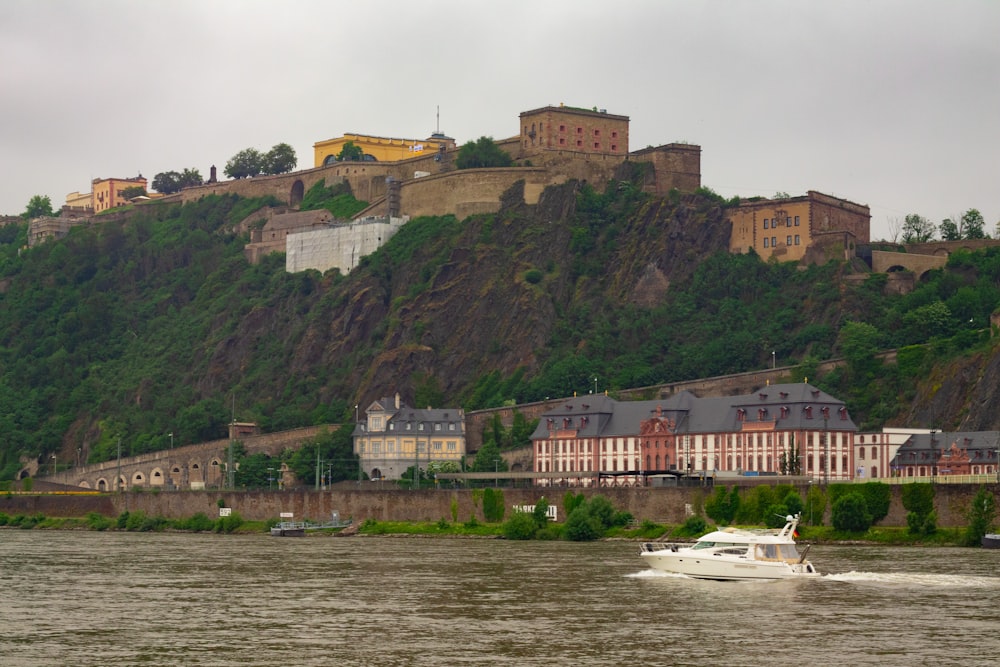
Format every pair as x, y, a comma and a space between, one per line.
774, 361
54, 466
171, 434
270, 478
933, 457
595, 385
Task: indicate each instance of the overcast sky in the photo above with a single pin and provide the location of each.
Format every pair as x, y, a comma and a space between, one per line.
894, 104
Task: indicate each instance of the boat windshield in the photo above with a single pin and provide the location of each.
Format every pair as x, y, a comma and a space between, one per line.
777, 552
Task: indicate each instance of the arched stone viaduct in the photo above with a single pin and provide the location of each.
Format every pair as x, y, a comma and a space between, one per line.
197, 466
923, 257
202, 466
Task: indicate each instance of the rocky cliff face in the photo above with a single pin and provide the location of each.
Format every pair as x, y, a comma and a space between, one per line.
962, 395
484, 298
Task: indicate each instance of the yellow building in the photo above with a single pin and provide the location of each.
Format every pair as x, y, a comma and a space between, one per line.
381, 149
79, 201
785, 228
106, 193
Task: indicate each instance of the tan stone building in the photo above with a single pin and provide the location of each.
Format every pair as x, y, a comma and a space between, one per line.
785, 228
572, 129
395, 437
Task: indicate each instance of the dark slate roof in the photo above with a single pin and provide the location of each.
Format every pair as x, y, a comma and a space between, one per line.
941, 441
608, 418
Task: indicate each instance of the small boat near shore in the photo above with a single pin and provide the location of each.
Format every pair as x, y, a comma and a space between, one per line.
734, 554
299, 528
991, 541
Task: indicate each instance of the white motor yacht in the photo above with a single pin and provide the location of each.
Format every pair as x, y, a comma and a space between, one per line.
734, 554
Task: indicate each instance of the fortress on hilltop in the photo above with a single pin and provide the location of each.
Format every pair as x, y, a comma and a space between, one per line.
404, 178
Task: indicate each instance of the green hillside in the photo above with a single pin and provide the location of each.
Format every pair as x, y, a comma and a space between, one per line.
158, 325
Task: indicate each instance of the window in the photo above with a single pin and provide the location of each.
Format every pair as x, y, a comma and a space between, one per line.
597, 133
774, 241
562, 128
579, 130
788, 240
788, 222
765, 223
765, 241
614, 147
562, 141
796, 239
437, 427
796, 221
614, 134
579, 143
451, 427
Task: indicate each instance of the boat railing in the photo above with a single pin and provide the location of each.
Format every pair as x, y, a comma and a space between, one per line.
650, 547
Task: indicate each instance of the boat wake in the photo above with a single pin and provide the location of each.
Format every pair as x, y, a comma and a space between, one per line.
907, 579
656, 574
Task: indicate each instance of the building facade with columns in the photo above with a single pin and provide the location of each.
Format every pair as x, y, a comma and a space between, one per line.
786, 429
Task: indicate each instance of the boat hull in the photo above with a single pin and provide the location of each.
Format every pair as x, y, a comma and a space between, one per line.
991, 541
720, 568
277, 531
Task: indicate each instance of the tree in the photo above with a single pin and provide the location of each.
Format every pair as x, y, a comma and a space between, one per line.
918, 500
581, 526
167, 182
917, 229
483, 152
133, 191
982, 511
38, 206
949, 230
488, 458
493, 505
279, 160
972, 224
245, 164
858, 342
850, 513
520, 526
350, 152
722, 506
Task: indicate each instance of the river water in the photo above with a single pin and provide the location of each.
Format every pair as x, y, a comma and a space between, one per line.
88, 598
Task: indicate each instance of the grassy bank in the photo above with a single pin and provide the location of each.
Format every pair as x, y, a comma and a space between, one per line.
139, 522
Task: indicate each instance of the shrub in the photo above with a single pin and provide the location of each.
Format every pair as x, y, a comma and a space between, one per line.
533, 276
520, 526
581, 526
97, 521
197, 523
693, 526
850, 513
228, 524
493, 505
